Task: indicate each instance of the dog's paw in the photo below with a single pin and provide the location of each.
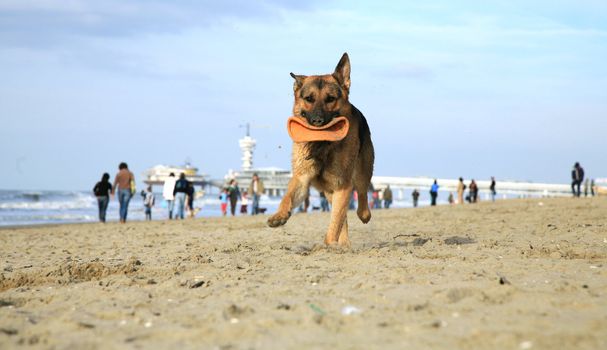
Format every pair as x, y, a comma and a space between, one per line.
364, 215
279, 219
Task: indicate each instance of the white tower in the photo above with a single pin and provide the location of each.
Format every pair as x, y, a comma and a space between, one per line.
247, 145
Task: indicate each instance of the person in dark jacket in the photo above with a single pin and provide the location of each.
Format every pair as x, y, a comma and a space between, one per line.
387, 197
180, 192
324, 203
190, 194
473, 191
577, 176
415, 196
234, 195
492, 189
102, 191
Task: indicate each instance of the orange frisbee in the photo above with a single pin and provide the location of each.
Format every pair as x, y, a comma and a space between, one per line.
301, 131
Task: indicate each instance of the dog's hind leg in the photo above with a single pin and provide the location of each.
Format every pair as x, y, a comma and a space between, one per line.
296, 193
339, 212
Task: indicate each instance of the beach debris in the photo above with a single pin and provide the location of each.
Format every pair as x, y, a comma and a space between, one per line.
594, 267
459, 240
525, 345
350, 310
4, 303
417, 307
283, 306
438, 324
585, 286
418, 242
197, 284
86, 325
234, 312
193, 283
504, 280
540, 203
148, 324
317, 309
406, 235
9, 331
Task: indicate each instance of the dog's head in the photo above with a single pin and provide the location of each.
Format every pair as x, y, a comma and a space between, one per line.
320, 98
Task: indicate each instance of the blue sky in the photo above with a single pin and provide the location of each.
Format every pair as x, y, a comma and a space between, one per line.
512, 89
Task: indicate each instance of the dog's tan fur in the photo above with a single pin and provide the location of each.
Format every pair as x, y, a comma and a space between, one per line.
335, 168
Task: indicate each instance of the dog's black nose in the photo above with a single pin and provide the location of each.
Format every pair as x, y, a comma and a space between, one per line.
316, 120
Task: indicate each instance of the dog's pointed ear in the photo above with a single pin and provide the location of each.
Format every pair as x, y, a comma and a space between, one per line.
342, 72
298, 81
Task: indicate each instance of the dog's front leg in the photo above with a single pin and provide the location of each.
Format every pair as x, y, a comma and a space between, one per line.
340, 201
296, 193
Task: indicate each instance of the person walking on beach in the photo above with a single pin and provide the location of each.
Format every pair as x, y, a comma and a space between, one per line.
577, 176
148, 202
124, 182
168, 193
244, 203
415, 196
461, 187
450, 198
351, 202
433, 193
592, 185
492, 189
376, 202
102, 191
223, 200
190, 199
324, 203
586, 185
387, 197
473, 191
256, 190
234, 194
180, 192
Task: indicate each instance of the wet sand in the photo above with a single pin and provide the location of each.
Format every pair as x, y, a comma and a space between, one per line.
507, 275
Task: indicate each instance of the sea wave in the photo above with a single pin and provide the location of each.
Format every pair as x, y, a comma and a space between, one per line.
53, 201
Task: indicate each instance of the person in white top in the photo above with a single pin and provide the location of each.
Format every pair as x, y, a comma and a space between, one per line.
168, 193
244, 202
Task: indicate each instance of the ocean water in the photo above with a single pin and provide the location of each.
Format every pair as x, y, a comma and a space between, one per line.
19, 208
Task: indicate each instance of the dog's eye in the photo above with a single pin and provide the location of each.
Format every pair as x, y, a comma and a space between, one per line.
329, 99
309, 99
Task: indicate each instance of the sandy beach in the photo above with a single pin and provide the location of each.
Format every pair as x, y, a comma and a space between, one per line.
516, 274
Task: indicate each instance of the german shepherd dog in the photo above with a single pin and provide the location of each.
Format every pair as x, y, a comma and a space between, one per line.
335, 168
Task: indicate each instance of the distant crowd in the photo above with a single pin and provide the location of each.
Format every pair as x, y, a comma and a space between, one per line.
180, 192
471, 197
175, 191
231, 194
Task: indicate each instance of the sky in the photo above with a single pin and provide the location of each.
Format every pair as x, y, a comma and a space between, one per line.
511, 89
